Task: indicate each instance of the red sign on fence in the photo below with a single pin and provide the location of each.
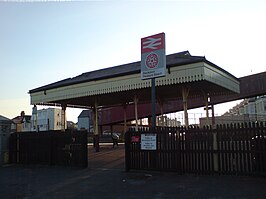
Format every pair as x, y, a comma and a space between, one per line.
135, 139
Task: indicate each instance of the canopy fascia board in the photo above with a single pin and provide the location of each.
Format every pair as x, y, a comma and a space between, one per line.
176, 75
220, 78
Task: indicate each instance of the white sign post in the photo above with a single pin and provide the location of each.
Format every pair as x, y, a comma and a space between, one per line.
153, 64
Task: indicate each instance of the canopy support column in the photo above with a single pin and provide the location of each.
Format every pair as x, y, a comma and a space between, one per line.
161, 111
136, 111
212, 107
149, 121
63, 118
153, 102
213, 117
206, 100
185, 92
96, 127
125, 120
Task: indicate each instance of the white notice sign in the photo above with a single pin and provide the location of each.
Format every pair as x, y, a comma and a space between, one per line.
148, 141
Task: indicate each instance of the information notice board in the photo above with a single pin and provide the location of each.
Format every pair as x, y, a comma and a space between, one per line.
148, 141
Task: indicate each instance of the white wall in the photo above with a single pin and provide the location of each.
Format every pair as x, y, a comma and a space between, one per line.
250, 108
261, 106
49, 119
84, 123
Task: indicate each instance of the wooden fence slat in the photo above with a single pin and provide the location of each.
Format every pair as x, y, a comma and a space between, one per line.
227, 149
50, 148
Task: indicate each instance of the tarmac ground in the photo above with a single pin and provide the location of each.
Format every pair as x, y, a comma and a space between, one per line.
105, 177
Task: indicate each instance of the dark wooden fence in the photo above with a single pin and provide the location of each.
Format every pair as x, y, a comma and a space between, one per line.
238, 149
49, 148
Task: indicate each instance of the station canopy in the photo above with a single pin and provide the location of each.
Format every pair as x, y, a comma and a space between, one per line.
118, 85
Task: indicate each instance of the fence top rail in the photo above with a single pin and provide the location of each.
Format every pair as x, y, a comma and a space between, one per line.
195, 127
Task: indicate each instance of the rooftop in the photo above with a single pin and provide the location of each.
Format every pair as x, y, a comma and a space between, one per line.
177, 59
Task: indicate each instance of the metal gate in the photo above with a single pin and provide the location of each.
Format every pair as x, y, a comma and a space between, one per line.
49, 148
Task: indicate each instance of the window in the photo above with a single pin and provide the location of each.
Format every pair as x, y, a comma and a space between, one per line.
4, 129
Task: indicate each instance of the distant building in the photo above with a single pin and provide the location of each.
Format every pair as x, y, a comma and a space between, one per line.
260, 104
85, 121
5, 130
47, 119
167, 121
71, 125
21, 123
249, 110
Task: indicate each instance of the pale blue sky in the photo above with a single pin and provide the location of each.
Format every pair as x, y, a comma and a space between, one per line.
44, 42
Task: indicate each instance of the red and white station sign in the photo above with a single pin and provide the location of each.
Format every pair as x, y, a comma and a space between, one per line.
152, 43
153, 61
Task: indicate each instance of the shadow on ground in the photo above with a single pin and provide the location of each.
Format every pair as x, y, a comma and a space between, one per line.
105, 177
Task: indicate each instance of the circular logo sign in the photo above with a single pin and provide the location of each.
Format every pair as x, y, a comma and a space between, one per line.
152, 60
